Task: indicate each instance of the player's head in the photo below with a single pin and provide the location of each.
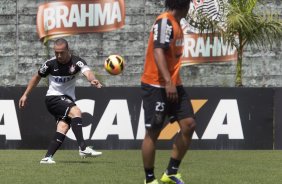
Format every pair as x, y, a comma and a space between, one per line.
178, 5
61, 48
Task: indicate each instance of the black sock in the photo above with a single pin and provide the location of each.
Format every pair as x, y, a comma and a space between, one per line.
56, 142
76, 124
150, 176
173, 166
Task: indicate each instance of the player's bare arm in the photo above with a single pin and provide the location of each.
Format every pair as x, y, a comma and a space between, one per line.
92, 79
32, 83
160, 59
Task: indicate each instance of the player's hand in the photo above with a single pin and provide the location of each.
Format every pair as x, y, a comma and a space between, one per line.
171, 92
22, 101
96, 83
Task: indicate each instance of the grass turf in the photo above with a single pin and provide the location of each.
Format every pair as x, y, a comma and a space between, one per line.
125, 166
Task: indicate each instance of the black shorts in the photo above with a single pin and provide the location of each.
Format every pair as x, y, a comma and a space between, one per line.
157, 108
59, 107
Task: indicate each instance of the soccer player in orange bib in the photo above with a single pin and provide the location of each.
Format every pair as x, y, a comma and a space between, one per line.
163, 94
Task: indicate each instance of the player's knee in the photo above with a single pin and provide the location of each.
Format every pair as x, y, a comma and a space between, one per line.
62, 127
188, 126
75, 112
192, 125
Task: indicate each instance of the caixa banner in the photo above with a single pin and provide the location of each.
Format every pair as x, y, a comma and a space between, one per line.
113, 118
63, 18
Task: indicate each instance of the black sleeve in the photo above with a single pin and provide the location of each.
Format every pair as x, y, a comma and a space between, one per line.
80, 62
163, 33
44, 70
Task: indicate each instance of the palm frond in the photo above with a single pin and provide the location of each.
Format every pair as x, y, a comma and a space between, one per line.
242, 22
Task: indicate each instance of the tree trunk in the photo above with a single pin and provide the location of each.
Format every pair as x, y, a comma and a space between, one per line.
238, 81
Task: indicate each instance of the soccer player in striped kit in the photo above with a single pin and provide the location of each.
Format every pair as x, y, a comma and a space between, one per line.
62, 71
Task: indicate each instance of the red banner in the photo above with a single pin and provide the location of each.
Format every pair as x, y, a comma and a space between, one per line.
206, 48
62, 18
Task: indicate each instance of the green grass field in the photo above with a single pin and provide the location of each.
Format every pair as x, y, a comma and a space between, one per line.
125, 166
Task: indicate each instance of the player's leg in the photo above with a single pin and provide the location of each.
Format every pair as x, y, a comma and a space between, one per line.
155, 111
180, 147
76, 124
182, 140
148, 154
58, 139
57, 106
184, 114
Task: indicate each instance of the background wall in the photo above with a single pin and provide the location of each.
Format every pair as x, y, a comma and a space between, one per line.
21, 52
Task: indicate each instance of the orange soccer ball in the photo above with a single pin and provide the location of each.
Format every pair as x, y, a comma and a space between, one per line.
114, 64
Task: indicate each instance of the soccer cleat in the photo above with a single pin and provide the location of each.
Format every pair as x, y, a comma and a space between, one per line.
89, 152
155, 181
172, 179
47, 160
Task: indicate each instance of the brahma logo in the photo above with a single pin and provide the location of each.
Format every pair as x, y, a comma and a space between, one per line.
63, 18
206, 47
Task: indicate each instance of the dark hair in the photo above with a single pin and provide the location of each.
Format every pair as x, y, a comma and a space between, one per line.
62, 41
177, 4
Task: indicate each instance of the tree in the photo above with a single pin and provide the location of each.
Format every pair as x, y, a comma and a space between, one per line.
244, 25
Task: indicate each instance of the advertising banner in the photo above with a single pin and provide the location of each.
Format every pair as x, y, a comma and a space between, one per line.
63, 18
234, 118
278, 119
204, 46
113, 118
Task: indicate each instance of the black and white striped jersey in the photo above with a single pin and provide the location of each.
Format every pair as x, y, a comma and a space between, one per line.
62, 77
